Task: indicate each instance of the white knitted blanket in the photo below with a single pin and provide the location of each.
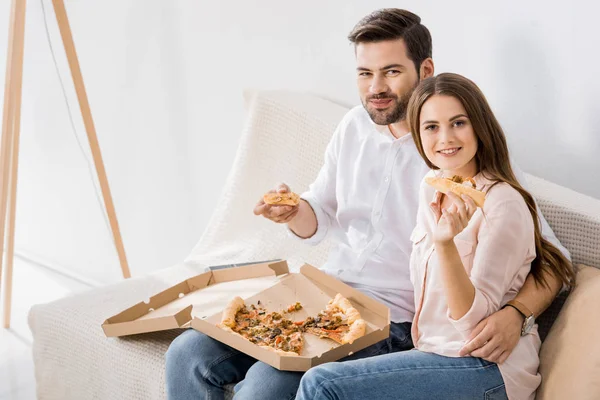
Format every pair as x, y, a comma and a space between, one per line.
284, 141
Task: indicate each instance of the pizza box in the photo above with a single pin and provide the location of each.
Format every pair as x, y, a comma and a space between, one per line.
198, 303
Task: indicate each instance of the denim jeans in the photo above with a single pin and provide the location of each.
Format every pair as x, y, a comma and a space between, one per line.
409, 375
198, 367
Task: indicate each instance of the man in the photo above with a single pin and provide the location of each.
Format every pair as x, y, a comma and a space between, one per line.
366, 196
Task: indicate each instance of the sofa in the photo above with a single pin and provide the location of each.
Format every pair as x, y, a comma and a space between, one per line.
284, 139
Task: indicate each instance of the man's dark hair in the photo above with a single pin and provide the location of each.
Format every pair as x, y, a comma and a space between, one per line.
392, 24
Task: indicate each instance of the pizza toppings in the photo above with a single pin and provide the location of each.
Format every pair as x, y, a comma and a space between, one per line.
265, 329
469, 182
282, 199
340, 322
294, 307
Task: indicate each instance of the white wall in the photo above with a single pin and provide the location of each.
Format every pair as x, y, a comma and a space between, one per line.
164, 80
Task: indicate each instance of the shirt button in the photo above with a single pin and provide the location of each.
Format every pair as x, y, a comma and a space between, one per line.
387, 178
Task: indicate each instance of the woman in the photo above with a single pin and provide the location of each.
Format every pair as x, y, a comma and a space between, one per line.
466, 263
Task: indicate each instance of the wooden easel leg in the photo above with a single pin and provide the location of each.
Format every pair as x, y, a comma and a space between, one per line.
67, 38
17, 81
16, 30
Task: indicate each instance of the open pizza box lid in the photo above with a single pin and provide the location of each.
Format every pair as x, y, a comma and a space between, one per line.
205, 297
207, 292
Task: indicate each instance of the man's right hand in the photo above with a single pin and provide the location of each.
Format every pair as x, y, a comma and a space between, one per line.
279, 214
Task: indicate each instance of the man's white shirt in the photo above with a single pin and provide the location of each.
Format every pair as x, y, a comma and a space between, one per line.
365, 198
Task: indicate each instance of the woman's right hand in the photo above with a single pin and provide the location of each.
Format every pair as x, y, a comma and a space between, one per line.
280, 214
455, 218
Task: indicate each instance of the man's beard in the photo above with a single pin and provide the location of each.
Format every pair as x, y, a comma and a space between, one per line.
394, 113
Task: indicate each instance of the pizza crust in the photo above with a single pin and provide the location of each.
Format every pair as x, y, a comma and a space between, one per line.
357, 330
344, 304
228, 317
357, 326
282, 199
228, 329
446, 185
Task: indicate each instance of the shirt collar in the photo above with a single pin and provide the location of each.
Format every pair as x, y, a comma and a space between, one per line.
385, 130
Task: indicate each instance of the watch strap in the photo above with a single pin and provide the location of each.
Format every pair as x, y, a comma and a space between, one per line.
520, 307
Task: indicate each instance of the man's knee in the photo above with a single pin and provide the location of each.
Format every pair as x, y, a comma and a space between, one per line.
265, 382
190, 351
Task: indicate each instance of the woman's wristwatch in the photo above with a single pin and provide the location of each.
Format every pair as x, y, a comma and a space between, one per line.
529, 321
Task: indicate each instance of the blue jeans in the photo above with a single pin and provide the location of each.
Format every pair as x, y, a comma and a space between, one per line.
410, 375
198, 367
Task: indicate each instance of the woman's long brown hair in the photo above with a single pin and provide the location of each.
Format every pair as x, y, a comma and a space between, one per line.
492, 160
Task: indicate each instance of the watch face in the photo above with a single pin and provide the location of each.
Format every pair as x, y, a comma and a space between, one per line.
528, 324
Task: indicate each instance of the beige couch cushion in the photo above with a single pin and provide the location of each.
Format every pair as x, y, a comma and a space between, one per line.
570, 356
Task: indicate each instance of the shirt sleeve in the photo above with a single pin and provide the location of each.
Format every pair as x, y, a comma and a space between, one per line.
505, 246
321, 194
547, 232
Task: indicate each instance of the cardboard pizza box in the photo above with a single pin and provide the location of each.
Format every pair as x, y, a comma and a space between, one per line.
175, 307
199, 301
313, 289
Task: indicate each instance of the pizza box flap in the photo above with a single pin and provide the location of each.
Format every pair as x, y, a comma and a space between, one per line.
313, 289
355, 296
174, 307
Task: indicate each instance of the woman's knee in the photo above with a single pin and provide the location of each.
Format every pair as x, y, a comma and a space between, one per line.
318, 373
318, 381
